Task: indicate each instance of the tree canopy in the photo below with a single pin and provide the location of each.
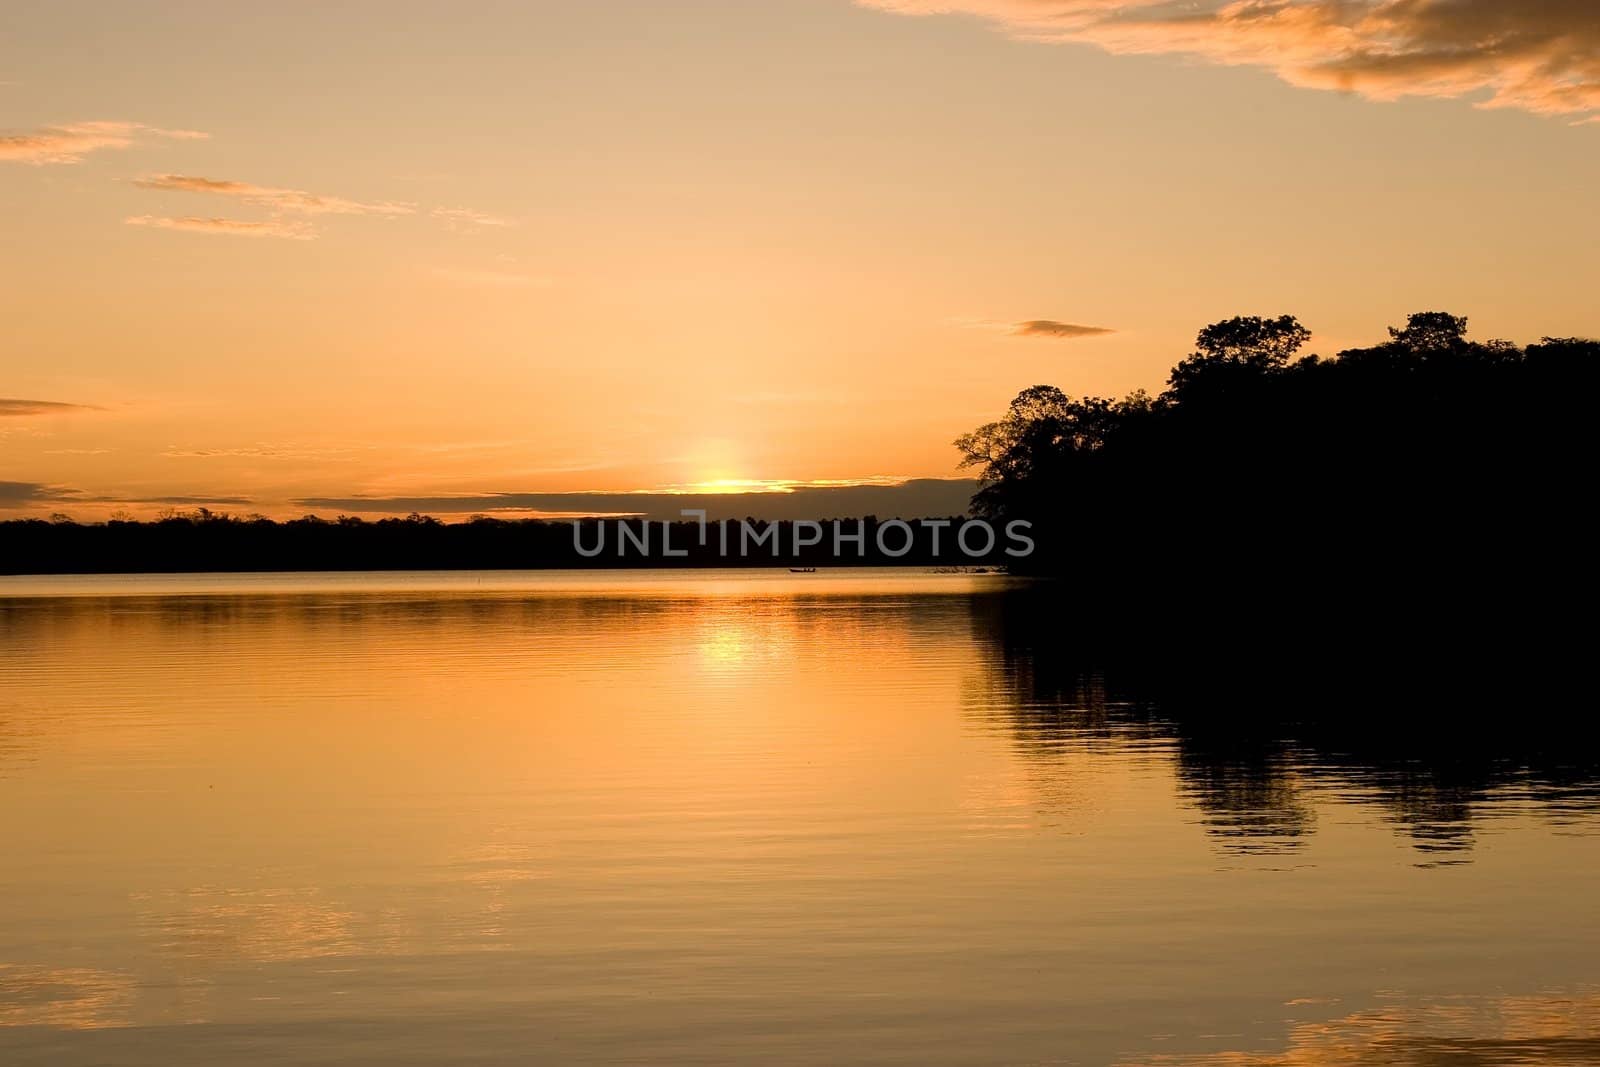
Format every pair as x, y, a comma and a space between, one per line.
1255, 449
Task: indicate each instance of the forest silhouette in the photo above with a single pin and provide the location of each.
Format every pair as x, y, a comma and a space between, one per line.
1419, 476
1408, 456
1419, 503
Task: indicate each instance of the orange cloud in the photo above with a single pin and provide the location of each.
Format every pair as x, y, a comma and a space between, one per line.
70, 143
256, 452
10, 406
1049, 328
1052, 328
294, 231
297, 201
1540, 56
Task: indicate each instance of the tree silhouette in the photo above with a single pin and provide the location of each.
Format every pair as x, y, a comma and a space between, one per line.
1236, 353
1044, 438
1431, 332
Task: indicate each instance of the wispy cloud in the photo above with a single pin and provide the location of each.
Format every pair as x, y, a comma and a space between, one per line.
1048, 328
70, 143
1541, 56
294, 231
13, 408
1052, 328
296, 201
256, 452
463, 218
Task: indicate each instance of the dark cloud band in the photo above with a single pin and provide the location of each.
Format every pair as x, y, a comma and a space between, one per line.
911, 499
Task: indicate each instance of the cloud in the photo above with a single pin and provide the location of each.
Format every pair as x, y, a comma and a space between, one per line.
293, 231
234, 501
913, 498
460, 218
255, 452
1540, 56
296, 201
23, 494
1051, 328
15, 493
12, 407
70, 143
1034, 328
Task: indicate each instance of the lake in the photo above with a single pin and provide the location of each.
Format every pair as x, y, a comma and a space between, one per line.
734, 817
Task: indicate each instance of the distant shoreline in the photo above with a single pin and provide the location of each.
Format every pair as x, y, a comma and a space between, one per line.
209, 543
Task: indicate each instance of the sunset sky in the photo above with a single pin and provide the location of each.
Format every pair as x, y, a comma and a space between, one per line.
260, 255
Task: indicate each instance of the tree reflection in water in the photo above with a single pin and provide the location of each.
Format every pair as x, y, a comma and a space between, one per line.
1257, 733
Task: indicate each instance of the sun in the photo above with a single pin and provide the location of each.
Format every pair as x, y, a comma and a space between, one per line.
714, 465
715, 486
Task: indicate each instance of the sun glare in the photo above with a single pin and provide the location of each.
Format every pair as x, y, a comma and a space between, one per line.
720, 486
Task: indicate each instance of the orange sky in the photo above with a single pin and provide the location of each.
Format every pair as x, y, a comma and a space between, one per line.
398, 249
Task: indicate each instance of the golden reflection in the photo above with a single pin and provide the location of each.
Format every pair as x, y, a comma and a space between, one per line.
1551, 1029
68, 998
272, 813
724, 646
260, 926
495, 871
736, 637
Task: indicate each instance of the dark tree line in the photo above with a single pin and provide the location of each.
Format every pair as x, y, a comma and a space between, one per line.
1429, 484
1253, 448
204, 540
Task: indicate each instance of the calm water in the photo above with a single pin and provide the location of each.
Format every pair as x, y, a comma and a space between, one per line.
733, 818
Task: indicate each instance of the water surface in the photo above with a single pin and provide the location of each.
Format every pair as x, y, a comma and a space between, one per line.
736, 817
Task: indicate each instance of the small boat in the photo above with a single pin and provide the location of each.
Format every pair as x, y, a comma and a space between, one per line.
802, 570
